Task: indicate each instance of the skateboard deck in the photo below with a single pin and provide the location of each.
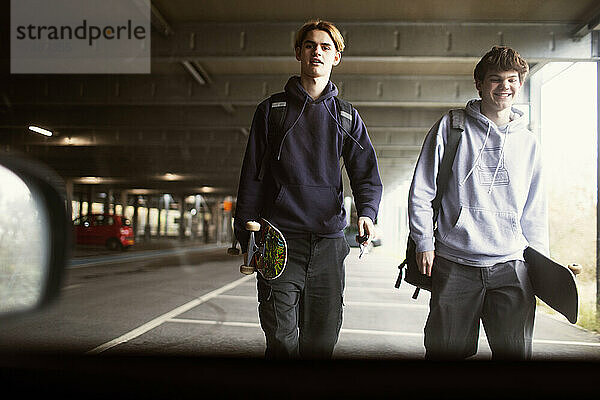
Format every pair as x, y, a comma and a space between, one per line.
553, 283
267, 251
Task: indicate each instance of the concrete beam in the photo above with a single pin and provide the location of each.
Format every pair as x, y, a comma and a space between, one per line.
159, 22
535, 41
135, 119
592, 24
198, 142
232, 90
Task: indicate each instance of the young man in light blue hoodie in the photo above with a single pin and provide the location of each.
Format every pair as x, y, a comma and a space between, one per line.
493, 208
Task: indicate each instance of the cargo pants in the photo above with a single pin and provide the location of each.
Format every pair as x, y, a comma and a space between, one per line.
301, 311
500, 296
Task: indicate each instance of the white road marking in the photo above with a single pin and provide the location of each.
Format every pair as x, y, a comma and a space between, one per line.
389, 289
171, 317
385, 305
207, 322
381, 333
74, 286
84, 262
348, 303
257, 325
389, 281
566, 342
167, 316
370, 331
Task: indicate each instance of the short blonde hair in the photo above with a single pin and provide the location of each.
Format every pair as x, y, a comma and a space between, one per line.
326, 26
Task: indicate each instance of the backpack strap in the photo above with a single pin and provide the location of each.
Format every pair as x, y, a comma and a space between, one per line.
345, 114
277, 111
457, 126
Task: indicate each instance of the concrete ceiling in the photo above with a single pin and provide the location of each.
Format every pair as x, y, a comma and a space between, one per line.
405, 64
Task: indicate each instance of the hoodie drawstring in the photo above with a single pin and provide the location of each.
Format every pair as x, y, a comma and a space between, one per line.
487, 135
344, 131
291, 127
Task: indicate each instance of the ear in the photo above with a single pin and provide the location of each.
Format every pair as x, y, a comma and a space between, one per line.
478, 87
298, 50
337, 58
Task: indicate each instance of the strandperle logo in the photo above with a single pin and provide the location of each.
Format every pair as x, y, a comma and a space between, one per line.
85, 31
82, 36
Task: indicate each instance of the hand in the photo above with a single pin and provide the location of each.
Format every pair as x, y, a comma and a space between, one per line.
366, 227
425, 261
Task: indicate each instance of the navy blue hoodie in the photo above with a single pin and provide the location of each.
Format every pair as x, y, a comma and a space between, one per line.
301, 192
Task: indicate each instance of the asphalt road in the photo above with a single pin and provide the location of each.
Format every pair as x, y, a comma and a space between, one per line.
194, 301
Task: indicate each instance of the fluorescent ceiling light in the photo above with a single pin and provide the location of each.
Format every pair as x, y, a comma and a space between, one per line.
207, 189
39, 130
172, 177
90, 179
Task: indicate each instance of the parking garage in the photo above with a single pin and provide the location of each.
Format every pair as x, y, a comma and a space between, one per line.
164, 148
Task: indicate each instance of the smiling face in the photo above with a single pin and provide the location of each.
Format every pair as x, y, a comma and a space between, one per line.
499, 89
317, 55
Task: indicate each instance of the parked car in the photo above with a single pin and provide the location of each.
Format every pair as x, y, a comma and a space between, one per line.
113, 231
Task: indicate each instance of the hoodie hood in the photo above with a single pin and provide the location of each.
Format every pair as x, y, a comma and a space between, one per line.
517, 122
299, 99
295, 90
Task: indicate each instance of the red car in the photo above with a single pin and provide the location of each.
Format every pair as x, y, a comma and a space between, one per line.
113, 231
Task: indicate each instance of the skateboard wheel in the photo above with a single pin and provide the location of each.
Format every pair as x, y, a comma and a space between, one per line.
253, 226
575, 268
246, 269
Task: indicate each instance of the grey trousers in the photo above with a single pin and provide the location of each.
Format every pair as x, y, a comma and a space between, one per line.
500, 296
301, 311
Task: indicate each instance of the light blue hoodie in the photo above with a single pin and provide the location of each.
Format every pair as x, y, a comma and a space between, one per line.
495, 204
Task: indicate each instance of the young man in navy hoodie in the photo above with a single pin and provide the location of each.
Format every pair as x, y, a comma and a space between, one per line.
493, 208
292, 177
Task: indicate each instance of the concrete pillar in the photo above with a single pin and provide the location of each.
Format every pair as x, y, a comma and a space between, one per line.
80, 196
205, 225
110, 198
90, 199
134, 223
106, 203
167, 201
218, 219
123, 201
182, 217
69, 195
69, 190
147, 226
159, 206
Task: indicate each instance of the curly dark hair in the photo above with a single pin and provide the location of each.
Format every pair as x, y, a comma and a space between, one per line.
501, 58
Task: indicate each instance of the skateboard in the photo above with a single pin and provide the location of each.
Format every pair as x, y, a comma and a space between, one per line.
267, 250
553, 283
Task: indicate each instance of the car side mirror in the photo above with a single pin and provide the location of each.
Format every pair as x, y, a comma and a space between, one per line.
35, 235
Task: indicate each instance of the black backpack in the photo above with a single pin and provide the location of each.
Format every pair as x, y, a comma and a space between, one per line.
277, 113
409, 268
